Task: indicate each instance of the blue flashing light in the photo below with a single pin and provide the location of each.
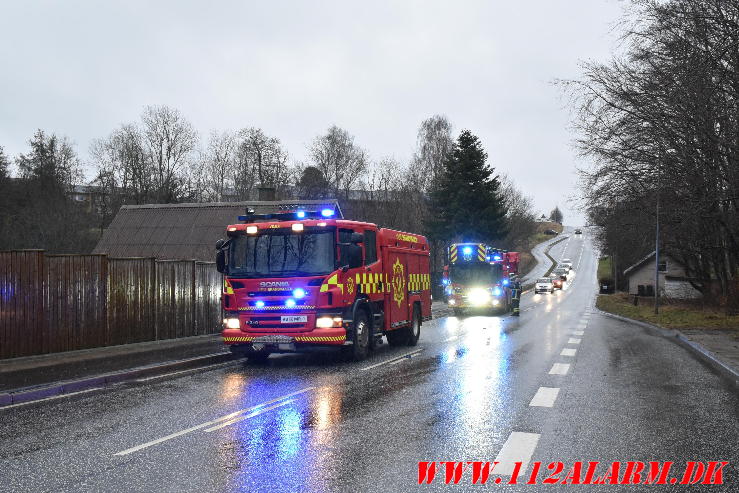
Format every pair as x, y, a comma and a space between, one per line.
290, 303
300, 214
488, 258
505, 282
299, 293
445, 282
467, 250
497, 291
259, 304
327, 212
497, 257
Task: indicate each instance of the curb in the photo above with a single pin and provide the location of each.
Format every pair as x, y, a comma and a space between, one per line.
31, 394
729, 373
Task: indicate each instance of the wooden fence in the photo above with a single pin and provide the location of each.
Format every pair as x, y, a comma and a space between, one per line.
52, 303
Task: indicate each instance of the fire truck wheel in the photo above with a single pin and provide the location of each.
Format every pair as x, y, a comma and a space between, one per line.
257, 356
360, 337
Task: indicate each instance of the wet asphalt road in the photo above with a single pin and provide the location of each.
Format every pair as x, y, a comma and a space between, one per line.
314, 423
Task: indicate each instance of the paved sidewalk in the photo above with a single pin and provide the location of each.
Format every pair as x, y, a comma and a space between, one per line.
47, 369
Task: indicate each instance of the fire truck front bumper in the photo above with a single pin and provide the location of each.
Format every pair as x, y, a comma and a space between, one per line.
285, 341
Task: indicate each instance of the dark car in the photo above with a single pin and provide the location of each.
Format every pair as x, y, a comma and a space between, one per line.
550, 232
578, 231
560, 273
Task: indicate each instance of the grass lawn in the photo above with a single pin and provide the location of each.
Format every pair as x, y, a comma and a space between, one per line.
671, 316
605, 268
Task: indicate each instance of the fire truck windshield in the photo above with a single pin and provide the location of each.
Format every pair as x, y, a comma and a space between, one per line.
473, 273
283, 254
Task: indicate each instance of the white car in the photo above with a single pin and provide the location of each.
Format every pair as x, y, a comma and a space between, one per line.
566, 263
544, 285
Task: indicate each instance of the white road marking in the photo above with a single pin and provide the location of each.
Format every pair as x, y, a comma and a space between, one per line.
568, 352
574, 340
392, 360
209, 423
453, 338
582, 325
191, 370
9, 406
578, 332
518, 448
247, 416
559, 369
545, 397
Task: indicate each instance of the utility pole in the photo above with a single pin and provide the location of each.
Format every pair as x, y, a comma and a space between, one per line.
656, 262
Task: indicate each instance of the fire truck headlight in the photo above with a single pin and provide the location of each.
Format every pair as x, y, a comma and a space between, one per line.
298, 227
251, 230
232, 323
478, 296
496, 302
328, 322
452, 301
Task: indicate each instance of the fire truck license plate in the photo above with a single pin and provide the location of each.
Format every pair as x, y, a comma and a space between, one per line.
293, 319
273, 340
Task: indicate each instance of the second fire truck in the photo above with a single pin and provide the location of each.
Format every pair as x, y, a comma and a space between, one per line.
477, 278
301, 279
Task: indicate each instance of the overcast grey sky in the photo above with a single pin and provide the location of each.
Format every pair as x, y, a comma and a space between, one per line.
80, 68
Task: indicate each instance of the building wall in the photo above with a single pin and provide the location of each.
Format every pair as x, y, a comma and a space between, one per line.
672, 288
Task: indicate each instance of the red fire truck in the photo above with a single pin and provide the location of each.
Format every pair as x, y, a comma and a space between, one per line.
301, 279
477, 277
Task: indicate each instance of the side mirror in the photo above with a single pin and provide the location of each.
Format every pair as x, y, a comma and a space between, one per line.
220, 243
355, 255
221, 261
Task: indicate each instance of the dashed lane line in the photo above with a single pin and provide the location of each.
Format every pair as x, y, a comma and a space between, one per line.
211, 423
518, 448
247, 416
574, 340
392, 360
559, 369
545, 397
578, 332
568, 352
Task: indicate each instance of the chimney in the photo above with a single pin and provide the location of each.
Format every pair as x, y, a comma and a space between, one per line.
266, 193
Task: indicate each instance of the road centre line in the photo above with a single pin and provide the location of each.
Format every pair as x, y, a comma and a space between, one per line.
578, 332
574, 340
559, 369
210, 423
545, 397
568, 352
390, 361
518, 448
247, 416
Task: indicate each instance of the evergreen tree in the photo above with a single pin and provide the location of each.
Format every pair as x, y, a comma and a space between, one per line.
467, 204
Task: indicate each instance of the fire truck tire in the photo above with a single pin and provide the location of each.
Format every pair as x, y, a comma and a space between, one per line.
360, 337
257, 356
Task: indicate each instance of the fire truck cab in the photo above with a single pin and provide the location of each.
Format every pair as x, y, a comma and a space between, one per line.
303, 279
477, 278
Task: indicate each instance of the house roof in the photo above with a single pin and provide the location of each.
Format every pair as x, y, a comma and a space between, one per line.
644, 261
180, 231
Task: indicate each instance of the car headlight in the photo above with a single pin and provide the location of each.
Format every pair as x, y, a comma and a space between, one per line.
478, 296
232, 323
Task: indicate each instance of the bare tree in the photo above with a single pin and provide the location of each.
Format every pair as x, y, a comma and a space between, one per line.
340, 160
218, 165
170, 141
434, 145
260, 160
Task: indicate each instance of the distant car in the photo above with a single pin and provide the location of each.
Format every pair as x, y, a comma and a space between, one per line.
550, 232
578, 231
543, 285
561, 273
566, 263
557, 283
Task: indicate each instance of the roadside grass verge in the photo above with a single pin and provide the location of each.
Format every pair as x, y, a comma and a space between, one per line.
673, 315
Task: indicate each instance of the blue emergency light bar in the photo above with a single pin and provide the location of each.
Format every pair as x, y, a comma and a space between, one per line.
251, 217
